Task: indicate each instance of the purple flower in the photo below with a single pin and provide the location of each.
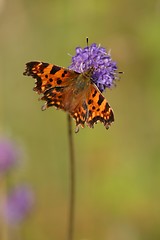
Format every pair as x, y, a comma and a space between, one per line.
8, 155
96, 57
18, 204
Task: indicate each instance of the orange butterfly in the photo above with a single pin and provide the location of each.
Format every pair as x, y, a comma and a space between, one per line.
72, 92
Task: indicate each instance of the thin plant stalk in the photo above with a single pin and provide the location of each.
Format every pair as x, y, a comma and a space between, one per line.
71, 217
4, 233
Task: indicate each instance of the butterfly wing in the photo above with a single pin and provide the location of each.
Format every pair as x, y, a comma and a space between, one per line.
58, 87
48, 75
98, 108
80, 114
91, 108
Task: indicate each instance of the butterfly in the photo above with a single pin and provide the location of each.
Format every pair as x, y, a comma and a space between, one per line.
72, 92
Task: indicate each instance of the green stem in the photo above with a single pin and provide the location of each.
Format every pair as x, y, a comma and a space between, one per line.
72, 182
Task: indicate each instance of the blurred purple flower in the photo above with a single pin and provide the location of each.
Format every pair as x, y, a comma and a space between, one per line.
9, 154
104, 69
18, 204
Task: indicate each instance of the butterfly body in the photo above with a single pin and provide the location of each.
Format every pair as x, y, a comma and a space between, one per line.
81, 84
72, 92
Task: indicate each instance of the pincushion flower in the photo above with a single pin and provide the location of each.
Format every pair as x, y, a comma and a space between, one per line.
96, 57
18, 204
9, 154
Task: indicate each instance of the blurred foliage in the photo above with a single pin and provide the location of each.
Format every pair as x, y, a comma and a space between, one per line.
118, 171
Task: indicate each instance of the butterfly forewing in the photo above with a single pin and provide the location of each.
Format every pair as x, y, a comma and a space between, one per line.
98, 108
48, 75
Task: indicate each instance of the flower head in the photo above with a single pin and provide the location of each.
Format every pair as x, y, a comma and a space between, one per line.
18, 204
96, 57
8, 154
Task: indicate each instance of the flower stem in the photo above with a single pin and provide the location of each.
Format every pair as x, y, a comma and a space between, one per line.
4, 233
72, 182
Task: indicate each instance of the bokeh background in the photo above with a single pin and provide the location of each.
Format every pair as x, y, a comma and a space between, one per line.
117, 171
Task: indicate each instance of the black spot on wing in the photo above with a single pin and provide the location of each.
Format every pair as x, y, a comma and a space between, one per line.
48, 86
111, 117
42, 66
100, 100
90, 101
59, 89
90, 113
94, 94
64, 73
59, 81
55, 69
107, 107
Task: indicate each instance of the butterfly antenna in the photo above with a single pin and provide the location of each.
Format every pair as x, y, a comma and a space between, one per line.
89, 53
87, 41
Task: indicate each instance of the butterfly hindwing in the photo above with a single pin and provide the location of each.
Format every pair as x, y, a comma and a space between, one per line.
80, 114
54, 97
63, 98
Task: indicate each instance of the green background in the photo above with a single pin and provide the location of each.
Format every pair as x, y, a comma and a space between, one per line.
117, 171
